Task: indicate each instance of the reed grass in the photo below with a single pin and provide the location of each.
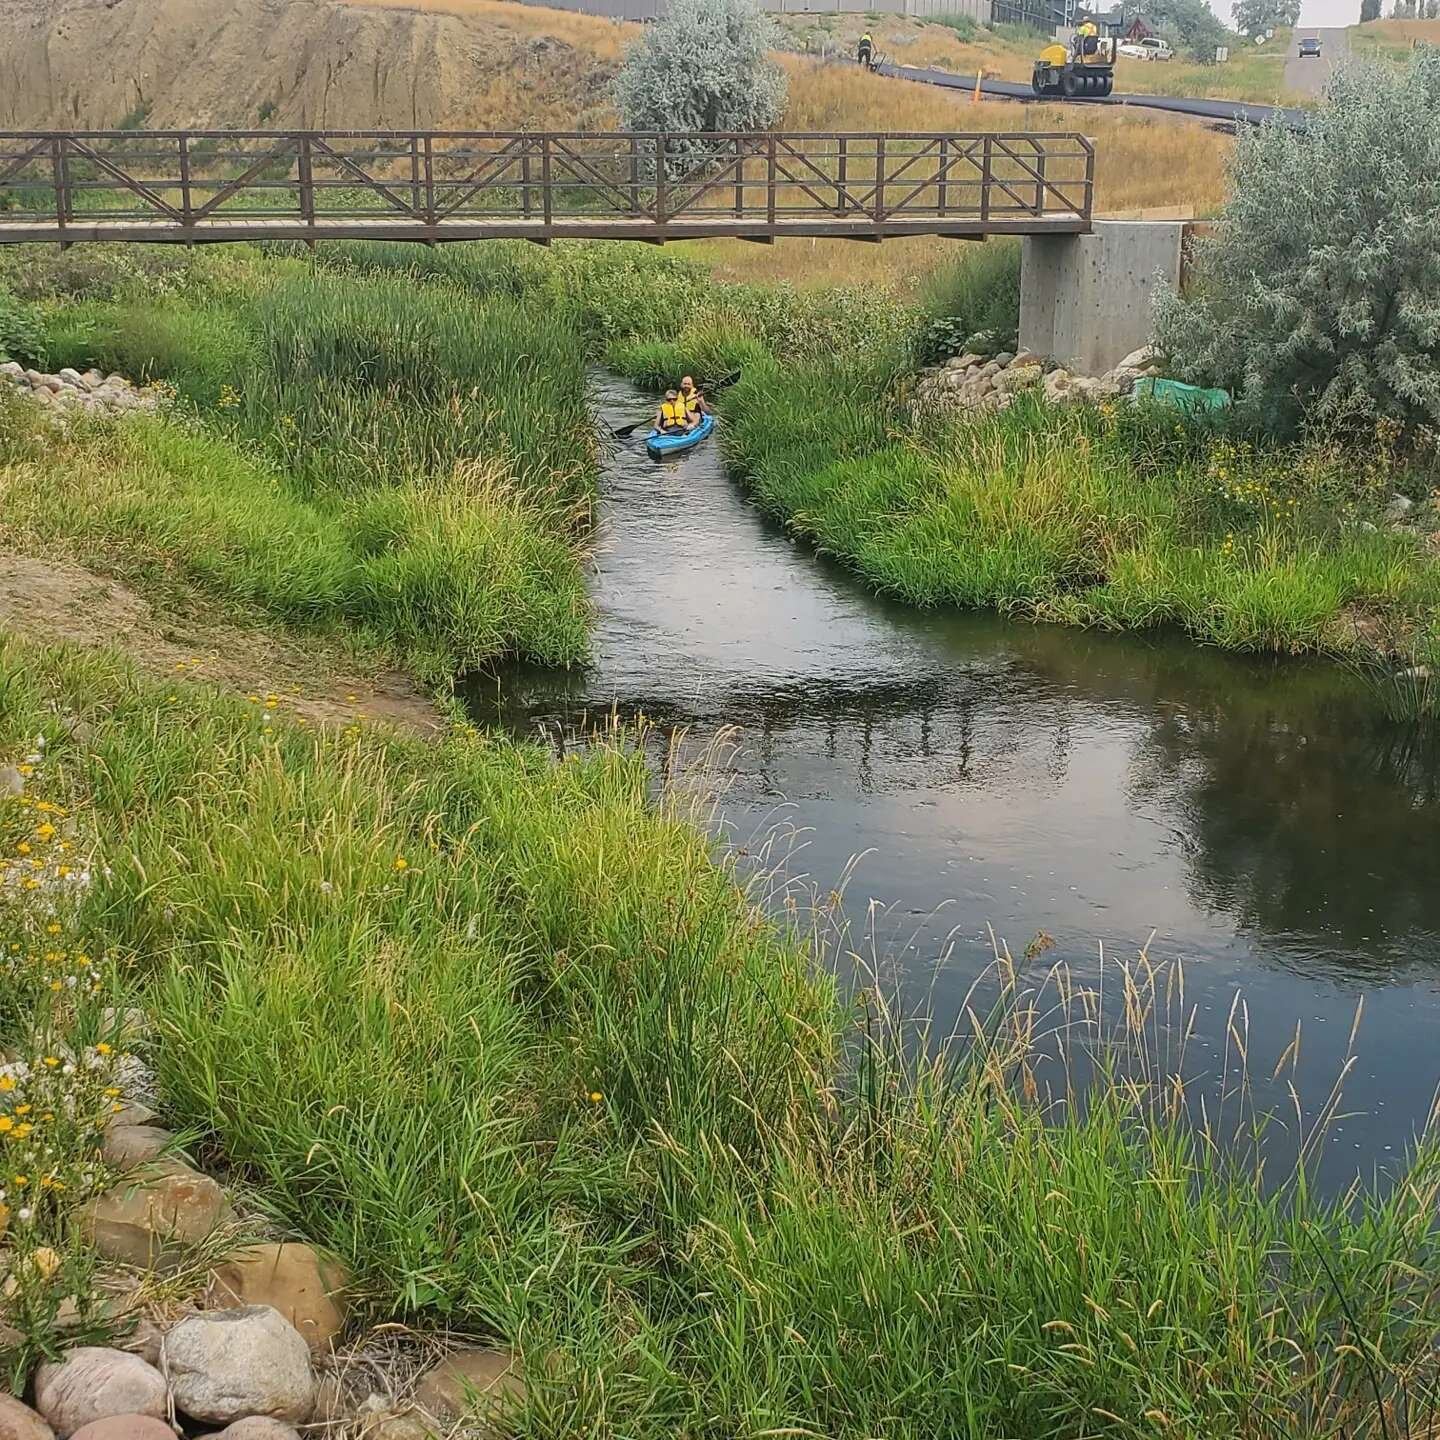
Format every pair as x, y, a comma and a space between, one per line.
502, 1033
412, 465
1085, 516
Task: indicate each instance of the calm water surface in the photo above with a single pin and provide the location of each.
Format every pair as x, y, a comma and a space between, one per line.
1258, 821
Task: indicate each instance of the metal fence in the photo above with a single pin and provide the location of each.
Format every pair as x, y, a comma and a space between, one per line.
198, 186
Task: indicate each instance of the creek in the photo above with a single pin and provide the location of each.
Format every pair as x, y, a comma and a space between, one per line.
1258, 820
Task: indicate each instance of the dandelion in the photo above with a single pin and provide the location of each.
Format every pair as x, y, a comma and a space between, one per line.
6, 1124
103, 1049
50, 1061
596, 1097
401, 863
23, 848
24, 1214
54, 928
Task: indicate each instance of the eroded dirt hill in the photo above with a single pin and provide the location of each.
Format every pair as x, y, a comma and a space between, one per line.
305, 63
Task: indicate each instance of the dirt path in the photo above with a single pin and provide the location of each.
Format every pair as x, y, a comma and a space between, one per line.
54, 600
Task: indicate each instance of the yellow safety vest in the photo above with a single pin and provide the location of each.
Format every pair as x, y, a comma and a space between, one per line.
672, 412
692, 401
866, 40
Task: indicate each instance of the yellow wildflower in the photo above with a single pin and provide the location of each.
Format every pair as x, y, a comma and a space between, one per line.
401, 863
45, 831
6, 1124
53, 928
51, 1061
103, 1049
7, 1082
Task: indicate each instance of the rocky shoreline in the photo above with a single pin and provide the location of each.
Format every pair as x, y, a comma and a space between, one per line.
71, 391
975, 381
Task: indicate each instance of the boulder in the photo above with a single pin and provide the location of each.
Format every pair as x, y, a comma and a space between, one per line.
12, 368
20, 1422
1018, 377
401, 1425
260, 1427
470, 1382
308, 1290
148, 1222
1005, 357
963, 362
66, 375
1027, 357
133, 1113
227, 1364
125, 1427
1399, 507
1138, 359
94, 1383
125, 1147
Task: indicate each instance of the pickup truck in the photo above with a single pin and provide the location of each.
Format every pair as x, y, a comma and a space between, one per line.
1152, 47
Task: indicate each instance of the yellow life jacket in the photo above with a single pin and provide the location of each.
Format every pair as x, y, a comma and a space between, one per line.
673, 412
692, 401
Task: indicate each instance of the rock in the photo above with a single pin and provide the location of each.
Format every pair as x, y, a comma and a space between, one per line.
1027, 357
125, 1147
963, 362
12, 782
34, 377
1057, 384
132, 1112
1138, 359
20, 1422
125, 1427
1399, 507
1018, 377
93, 1383
148, 1222
145, 1339
227, 1364
306, 1289
1004, 358
260, 1427
402, 1425
469, 1382
66, 375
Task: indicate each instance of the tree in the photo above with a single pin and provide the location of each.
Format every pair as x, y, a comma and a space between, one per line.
1369, 10
1320, 294
1255, 17
1191, 24
703, 66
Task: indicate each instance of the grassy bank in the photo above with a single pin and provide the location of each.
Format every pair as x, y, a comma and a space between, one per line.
404, 466
501, 1033
1088, 516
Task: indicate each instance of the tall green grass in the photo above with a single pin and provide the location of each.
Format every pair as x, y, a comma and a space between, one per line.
412, 464
1087, 516
553, 1079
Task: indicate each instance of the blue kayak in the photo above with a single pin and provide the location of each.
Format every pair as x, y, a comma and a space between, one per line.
659, 443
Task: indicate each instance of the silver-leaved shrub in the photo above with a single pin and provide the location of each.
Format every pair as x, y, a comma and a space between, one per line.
1318, 299
703, 66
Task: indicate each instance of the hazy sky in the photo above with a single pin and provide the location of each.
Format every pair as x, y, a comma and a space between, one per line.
1312, 13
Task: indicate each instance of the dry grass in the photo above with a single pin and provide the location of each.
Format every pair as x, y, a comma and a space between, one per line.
1394, 35
605, 39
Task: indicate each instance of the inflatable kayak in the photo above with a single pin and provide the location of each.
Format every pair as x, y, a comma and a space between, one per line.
658, 443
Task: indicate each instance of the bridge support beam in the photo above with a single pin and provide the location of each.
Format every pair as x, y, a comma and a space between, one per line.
1085, 299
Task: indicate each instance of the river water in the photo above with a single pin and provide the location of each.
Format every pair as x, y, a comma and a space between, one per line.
1259, 821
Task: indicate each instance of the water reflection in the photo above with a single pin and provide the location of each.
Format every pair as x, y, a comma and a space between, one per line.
1261, 820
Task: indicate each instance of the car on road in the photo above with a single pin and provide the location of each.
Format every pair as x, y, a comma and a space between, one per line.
1151, 47
1310, 47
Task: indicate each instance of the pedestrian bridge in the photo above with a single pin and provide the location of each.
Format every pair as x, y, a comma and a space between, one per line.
195, 187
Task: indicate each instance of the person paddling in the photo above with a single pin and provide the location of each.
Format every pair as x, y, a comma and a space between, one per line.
673, 416
695, 405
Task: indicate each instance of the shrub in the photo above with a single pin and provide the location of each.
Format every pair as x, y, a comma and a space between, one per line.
1320, 296
21, 336
704, 66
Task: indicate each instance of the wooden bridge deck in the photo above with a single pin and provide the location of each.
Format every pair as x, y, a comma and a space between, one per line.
204, 187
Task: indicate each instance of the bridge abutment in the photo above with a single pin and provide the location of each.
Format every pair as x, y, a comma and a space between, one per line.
1085, 299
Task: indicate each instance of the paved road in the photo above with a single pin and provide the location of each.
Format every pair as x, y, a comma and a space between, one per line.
1230, 112
1308, 77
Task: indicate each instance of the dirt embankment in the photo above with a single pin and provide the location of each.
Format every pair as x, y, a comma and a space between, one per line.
324, 64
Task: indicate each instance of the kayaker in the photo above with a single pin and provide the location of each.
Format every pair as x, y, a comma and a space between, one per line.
673, 416
866, 50
695, 405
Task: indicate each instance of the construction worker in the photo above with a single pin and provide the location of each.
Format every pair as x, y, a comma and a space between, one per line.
866, 52
1085, 35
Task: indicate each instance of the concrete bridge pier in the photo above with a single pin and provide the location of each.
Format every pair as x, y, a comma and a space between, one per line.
1085, 299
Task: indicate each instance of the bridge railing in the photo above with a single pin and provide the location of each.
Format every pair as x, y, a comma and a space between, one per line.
199, 180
